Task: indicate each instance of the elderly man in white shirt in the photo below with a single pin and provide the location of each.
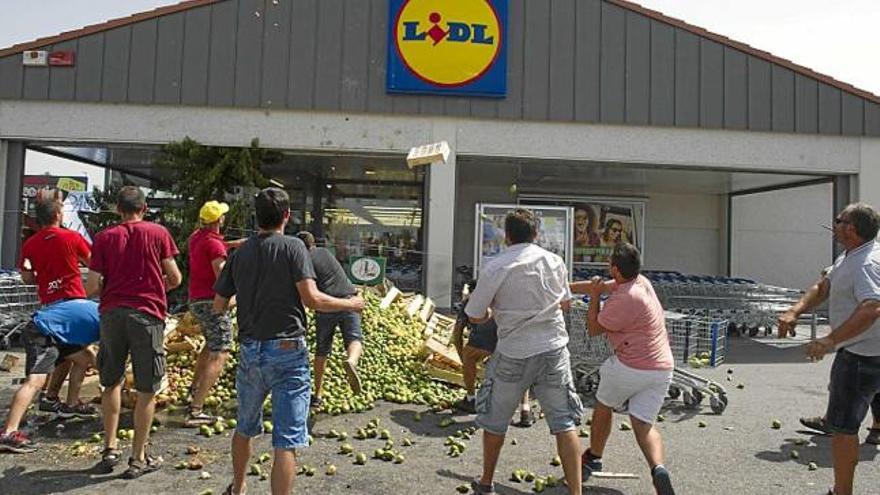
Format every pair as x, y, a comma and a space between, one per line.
525, 288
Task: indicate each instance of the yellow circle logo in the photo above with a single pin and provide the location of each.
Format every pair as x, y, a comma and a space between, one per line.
449, 43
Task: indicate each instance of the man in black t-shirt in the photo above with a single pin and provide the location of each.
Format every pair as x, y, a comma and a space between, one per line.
332, 280
272, 276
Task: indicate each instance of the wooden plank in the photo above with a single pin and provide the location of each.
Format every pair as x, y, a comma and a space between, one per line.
760, 95
536, 76
276, 54
142, 61
355, 56
806, 100
829, 109
612, 92
511, 106
62, 80
249, 53
221, 66
662, 74
638, 69
687, 79
303, 37
782, 81
169, 59
736, 89
114, 76
196, 57
853, 115
587, 60
562, 60
711, 84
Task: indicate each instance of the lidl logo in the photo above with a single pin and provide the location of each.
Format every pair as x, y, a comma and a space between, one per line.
453, 47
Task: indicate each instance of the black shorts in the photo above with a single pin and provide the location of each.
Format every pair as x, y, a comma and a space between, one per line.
42, 352
855, 381
127, 331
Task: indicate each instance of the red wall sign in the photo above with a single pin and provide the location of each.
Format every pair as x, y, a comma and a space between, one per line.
62, 59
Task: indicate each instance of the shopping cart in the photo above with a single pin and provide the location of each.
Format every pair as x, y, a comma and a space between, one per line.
18, 302
689, 338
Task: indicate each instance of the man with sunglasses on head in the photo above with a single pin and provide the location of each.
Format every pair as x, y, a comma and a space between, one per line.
852, 287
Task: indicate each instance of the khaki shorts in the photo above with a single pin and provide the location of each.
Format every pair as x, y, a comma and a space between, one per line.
127, 331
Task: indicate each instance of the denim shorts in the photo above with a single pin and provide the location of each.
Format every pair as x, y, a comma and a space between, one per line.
217, 329
347, 321
855, 380
279, 367
507, 379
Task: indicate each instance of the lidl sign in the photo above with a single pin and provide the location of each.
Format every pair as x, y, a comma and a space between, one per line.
453, 47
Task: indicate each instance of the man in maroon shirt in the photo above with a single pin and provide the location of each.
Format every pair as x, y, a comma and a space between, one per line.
132, 268
50, 258
207, 255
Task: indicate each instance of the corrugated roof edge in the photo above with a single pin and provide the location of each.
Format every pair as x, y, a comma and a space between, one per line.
800, 69
634, 7
105, 26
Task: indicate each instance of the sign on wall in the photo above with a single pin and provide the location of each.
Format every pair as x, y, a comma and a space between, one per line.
601, 224
366, 270
454, 47
554, 231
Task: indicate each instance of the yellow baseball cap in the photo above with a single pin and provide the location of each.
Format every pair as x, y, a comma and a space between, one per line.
212, 211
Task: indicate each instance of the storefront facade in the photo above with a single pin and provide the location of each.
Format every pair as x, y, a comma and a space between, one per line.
599, 105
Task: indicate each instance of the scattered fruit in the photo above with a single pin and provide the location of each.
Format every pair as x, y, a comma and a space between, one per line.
795, 454
462, 488
256, 470
812, 466
267, 426
625, 427
360, 459
556, 461
776, 424
331, 470
204, 475
701, 424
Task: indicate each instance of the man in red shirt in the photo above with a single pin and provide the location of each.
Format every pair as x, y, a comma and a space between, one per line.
50, 258
132, 268
207, 255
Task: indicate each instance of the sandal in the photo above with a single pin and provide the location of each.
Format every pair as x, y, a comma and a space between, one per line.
110, 458
817, 423
194, 418
873, 437
136, 469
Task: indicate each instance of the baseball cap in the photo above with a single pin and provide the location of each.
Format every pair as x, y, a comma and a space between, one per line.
212, 211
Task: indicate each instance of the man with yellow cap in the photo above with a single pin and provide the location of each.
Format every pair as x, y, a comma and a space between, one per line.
207, 255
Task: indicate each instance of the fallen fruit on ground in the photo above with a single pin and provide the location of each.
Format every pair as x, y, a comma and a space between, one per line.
812, 466
463, 488
625, 427
331, 470
556, 461
360, 458
776, 424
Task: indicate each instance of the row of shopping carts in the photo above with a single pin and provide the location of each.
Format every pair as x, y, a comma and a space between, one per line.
18, 302
695, 342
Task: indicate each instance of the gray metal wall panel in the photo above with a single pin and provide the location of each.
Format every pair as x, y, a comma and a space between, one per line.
687, 79
196, 57
711, 84
89, 63
736, 90
638, 69
457, 107
142, 62
406, 104
36, 83
11, 76
612, 87
62, 80
760, 95
114, 73
872, 119
588, 53
249, 53
485, 108
276, 54
301, 82
511, 106
783, 99
221, 65
806, 102
431, 105
662, 74
355, 56
562, 52
169, 58
852, 115
829, 109
536, 77
329, 55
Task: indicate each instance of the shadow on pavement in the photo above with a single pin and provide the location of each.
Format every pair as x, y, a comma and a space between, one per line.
429, 425
817, 450
45, 481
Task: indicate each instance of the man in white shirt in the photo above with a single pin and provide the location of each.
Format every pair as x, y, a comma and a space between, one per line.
524, 288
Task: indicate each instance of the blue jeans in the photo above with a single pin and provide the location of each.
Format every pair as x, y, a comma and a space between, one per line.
279, 367
855, 381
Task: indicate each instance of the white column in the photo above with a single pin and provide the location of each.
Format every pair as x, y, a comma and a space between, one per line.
869, 176
441, 219
12, 170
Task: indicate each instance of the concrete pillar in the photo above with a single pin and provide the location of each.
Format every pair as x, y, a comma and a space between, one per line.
12, 176
441, 220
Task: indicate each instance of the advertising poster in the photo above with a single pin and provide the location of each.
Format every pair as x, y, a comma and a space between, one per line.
554, 233
600, 225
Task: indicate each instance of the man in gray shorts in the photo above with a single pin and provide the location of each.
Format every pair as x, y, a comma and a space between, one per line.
131, 269
524, 288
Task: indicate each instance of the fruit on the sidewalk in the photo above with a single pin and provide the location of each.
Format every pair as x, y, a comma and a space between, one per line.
776, 424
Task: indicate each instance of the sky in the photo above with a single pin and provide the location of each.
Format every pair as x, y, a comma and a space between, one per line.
840, 39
